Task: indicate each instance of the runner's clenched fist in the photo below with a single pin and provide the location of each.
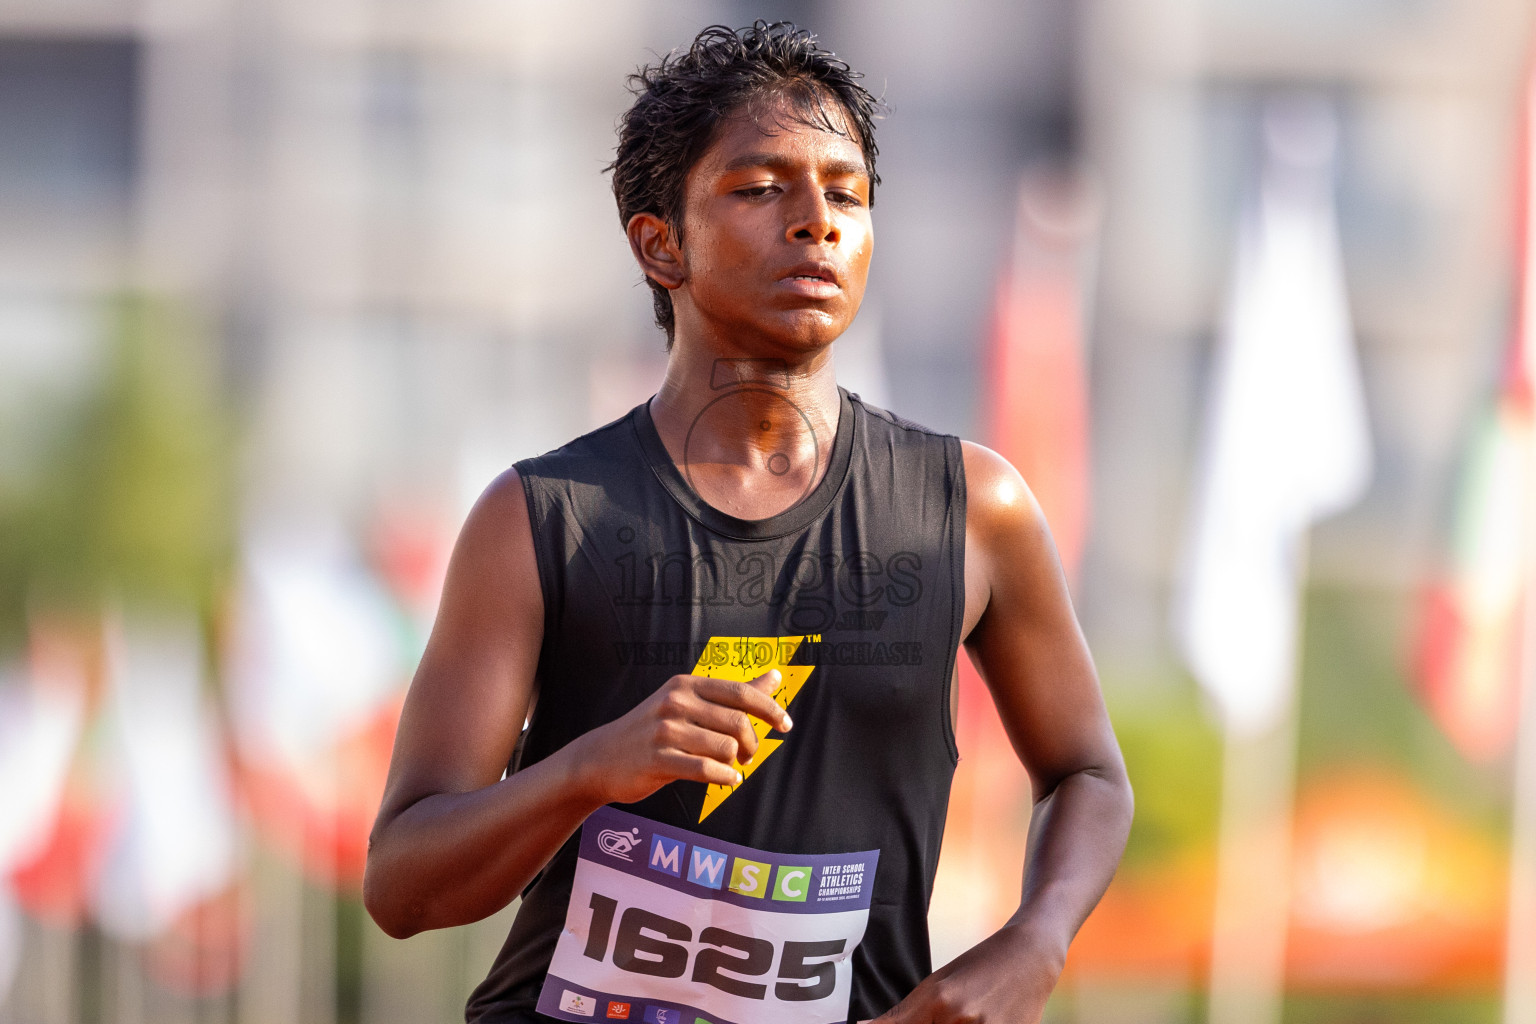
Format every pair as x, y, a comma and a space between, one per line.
693, 728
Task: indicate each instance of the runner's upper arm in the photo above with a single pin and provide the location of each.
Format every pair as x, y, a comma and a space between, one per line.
475, 684
1025, 641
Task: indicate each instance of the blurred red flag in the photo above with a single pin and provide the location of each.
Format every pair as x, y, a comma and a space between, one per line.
1469, 643
1037, 403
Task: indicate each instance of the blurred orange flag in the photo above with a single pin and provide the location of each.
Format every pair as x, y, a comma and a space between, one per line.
1392, 892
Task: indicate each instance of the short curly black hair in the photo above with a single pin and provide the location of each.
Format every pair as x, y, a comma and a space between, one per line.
681, 100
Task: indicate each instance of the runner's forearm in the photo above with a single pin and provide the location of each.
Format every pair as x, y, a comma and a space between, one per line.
1075, 840
1076, 836
452, 858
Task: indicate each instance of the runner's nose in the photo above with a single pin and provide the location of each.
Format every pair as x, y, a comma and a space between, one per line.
813, 221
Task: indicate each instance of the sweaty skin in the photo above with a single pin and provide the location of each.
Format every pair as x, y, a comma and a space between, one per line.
771, 267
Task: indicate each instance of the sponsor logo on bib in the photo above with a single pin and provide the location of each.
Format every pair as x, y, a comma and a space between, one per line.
575, 1002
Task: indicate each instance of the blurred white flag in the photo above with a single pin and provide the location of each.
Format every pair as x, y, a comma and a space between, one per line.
318, 646
1286, 438
175, 845
317, 674
40, 722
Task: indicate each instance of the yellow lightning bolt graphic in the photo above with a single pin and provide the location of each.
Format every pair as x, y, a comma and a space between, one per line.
744, 658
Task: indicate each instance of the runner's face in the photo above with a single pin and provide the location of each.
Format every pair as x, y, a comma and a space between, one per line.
776, 232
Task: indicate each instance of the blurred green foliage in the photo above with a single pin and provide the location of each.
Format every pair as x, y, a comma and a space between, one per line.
1359, 704
1357, 707
1172, 752
1377, 1008
350, 959
134, 498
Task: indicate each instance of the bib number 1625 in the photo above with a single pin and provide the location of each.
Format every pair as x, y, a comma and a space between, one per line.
651, 944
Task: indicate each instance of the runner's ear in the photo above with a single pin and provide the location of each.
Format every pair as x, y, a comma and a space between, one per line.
655, 248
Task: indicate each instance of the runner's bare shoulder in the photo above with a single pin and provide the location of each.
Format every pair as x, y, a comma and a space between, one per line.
474, 686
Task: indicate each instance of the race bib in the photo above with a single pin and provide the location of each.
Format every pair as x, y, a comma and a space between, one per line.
666, 926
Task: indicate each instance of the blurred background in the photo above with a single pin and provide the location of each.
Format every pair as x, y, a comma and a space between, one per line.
284, 285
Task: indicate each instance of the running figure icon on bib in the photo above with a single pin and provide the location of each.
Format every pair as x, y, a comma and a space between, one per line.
618, 844
666, 926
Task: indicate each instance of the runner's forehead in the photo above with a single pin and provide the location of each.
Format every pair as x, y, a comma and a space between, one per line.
783, 131
832, 165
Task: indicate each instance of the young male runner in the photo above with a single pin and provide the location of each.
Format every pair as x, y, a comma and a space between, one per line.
751, 546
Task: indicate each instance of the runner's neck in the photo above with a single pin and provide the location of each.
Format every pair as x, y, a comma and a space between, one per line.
752, 436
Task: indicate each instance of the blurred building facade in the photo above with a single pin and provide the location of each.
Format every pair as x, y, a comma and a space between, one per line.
391, 217
393, 221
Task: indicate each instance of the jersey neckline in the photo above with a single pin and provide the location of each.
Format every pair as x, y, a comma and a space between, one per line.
781, 524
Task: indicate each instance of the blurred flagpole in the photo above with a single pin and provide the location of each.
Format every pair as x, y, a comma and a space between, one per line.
1286, 444
41, 719
1520, 945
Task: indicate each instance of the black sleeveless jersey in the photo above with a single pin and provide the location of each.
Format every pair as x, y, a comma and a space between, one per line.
641, 577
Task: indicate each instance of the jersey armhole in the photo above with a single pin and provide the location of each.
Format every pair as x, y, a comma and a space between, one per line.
954, 457
549, 579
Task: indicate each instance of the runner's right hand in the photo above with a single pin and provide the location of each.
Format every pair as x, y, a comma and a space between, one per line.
693, 727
